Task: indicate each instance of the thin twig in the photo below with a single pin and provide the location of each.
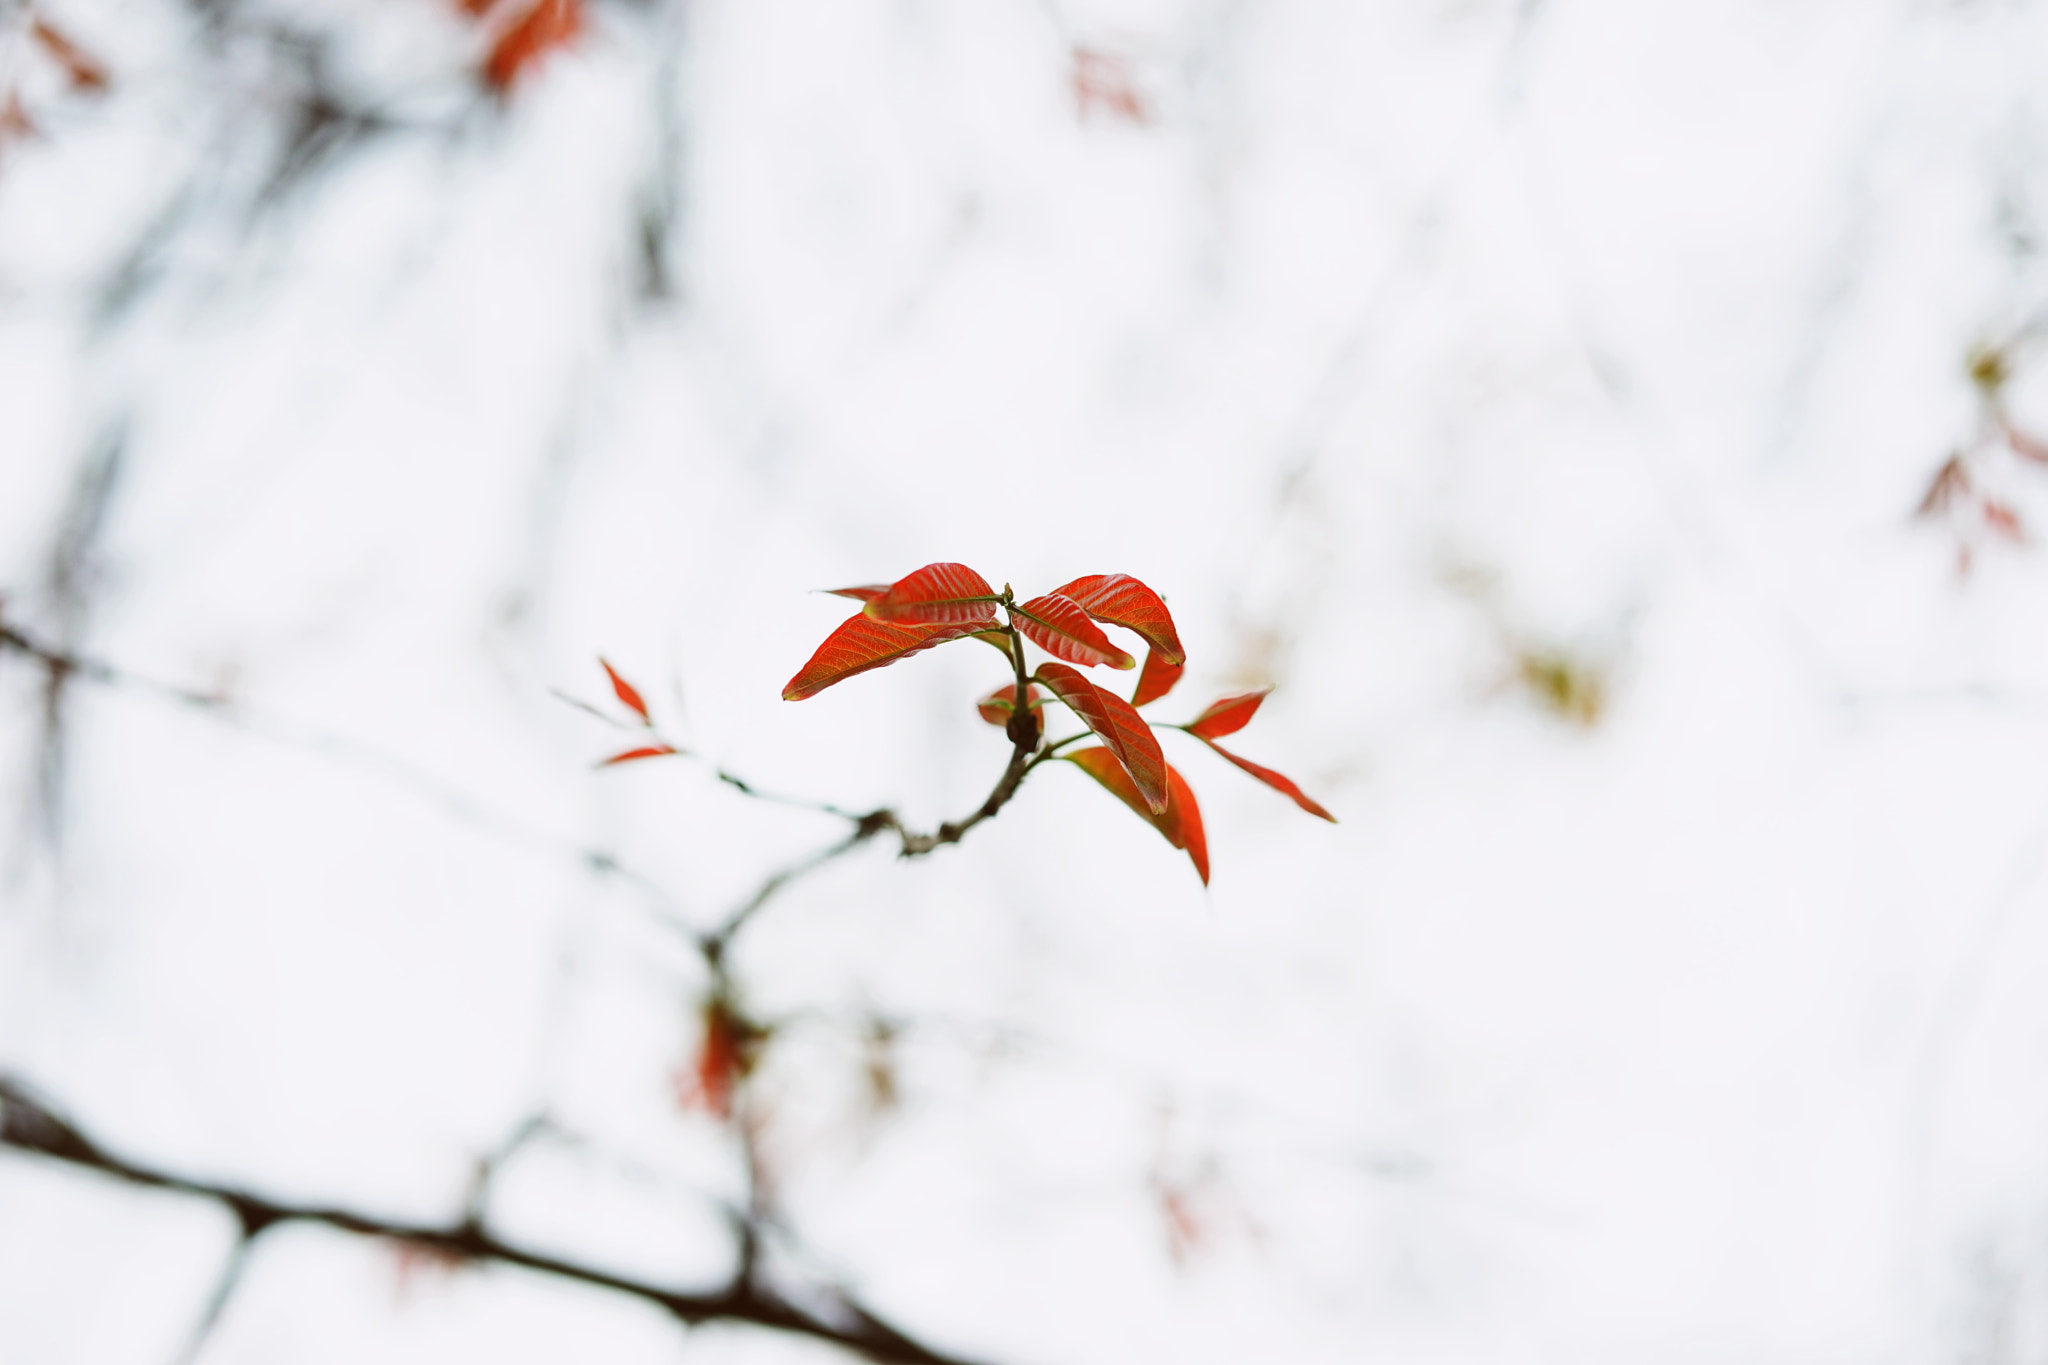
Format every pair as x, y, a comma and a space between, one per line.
457, 803
28, 1125
715, 943
224, 1286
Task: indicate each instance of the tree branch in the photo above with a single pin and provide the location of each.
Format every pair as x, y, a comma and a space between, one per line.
224, 1286
27, 1125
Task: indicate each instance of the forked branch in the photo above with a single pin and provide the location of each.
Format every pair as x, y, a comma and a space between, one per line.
28, 1125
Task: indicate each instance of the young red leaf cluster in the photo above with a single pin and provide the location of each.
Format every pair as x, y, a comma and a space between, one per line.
946, 601
1966, 492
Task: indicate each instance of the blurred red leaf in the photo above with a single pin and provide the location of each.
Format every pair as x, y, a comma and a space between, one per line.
545, 26
2001, 518
2025, 444
1123, 601
725, 1054
1185, 1231
415, 1263
627, 693
866, 593
651, 751
997, 707
1275, 781
1057, 625
1228, 716
1119, 724
942, 594
1951, 481
83, 70
14, 120
1102, 81
475, 9
1156, 679
1180, 822
860, 644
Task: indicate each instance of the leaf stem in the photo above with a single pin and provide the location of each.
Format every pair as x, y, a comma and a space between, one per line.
1021, 762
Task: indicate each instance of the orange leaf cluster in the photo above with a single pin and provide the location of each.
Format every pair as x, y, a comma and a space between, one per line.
946, 601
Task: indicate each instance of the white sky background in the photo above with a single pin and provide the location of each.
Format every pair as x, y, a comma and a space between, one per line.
1403, 339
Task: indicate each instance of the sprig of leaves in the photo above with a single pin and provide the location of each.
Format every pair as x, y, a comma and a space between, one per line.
943, 602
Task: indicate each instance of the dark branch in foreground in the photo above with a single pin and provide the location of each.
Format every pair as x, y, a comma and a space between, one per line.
27, 1125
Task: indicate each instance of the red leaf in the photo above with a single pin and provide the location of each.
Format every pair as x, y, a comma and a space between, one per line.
859, 645
724, 1057
474, 8
627, 693
1120, 726
1123, 601
652, 751
1057, 625
1102, 80
14, 119
1180, 822
84, 71
2001, 518
1228, 716
2025, 445
937, 595
1155, 679
546, 25
866, 593
997, 707
1275, 781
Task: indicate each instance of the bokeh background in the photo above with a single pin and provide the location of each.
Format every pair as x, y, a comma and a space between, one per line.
1612, 427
